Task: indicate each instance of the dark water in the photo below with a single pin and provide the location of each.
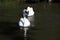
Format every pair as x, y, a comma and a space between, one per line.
10, 31
47, 23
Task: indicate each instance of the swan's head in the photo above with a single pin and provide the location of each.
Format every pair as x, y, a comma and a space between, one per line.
28, 8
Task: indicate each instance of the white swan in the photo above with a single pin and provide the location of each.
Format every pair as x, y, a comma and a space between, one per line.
31, 12
24, 23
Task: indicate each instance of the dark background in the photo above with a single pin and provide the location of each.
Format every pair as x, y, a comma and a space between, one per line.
47, 20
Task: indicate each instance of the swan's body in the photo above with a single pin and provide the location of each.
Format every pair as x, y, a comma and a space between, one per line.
29, 11
24, 22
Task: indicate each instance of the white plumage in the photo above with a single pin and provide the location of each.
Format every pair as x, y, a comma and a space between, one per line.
29, 11
24, 22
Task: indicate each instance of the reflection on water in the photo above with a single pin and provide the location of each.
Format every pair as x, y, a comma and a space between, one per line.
31, 19
25, 38
10, 31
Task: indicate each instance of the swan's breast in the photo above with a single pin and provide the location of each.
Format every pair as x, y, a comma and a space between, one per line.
21, 22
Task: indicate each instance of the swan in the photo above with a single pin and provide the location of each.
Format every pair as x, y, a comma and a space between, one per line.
24, 23
30, 10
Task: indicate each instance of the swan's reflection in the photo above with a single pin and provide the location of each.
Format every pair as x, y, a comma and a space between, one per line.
25, 38
31, 19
